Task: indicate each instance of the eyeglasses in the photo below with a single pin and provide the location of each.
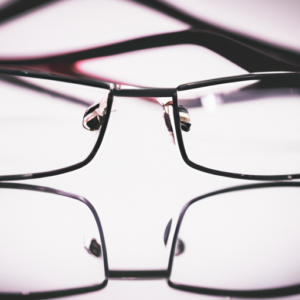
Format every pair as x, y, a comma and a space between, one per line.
254, 58
249, 251
234, 127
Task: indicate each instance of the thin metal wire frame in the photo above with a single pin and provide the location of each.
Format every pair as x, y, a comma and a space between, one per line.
67, 292
151, 274
263, 293
273, 80
286, 79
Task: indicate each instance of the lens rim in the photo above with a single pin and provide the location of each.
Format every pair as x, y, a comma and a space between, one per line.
263, 293
88, 82
277, 78
67, 292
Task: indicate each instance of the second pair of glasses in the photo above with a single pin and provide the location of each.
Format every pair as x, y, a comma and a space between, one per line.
241, 127
236, 242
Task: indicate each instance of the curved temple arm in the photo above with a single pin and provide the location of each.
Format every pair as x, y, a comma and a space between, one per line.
249, 53
273, 54
249, 57
31, 86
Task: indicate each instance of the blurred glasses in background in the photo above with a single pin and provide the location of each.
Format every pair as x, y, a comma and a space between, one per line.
237, 242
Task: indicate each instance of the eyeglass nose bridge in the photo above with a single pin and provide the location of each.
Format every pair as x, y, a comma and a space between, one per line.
144, 92
94, 115
185, 122
163, 98
138, 274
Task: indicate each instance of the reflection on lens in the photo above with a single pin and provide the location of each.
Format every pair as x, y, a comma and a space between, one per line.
248, 127
241, 240
43, 243
41, 124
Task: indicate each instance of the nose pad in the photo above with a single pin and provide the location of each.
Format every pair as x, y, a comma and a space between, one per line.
185, 121
91, 119
167, 232
94, 248
94, 116
180, 247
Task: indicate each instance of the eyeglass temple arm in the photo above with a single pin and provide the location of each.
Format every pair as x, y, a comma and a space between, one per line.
18, 7
248, 54
274, 53
288, 81
34, 87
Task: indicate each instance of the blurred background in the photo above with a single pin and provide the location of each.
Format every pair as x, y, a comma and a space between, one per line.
138, 180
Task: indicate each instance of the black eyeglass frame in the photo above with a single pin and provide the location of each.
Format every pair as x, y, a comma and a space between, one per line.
67, 292
151, 274
156, 93
266, 293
